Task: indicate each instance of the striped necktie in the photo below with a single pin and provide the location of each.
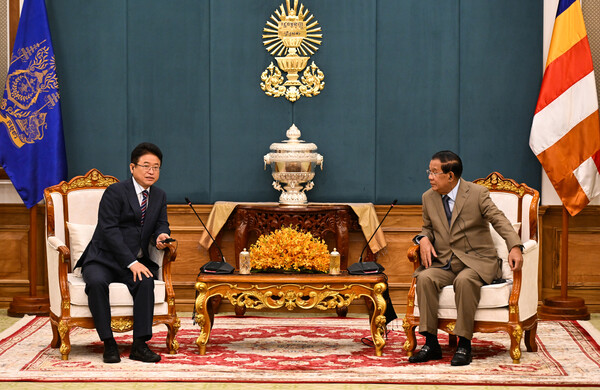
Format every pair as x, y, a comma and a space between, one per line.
144, 206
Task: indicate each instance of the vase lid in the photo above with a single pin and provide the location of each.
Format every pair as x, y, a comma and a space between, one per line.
293, 143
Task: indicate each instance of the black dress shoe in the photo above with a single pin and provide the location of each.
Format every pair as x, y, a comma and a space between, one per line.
426, 354
461, 357
111, 354
141, 352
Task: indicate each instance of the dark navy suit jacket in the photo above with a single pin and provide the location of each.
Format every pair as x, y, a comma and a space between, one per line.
119, 235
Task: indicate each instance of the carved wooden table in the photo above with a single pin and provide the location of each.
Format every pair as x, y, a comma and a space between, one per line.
321, 220
304, 291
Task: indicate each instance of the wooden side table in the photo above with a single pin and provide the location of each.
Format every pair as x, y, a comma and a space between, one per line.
304, 291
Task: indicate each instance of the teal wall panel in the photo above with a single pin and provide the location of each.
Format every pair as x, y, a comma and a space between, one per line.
89, 40
168, 99
417, 93
403, 79
341, 120
499, 84
244, 121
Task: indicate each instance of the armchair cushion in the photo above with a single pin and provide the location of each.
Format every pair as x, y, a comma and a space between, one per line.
492, 295
118, 293
79, 237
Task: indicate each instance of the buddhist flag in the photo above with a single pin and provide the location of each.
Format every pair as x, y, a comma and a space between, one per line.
32, 146
565, 134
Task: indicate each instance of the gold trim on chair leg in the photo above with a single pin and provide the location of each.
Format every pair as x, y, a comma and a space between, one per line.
65, 346
202, 317
172, 343
516, 334
411, 341
378, 320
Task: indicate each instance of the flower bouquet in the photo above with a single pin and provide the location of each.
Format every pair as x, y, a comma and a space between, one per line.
289, 250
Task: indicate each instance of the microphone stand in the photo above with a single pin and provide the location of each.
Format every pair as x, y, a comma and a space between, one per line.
371, 267
189, 202
212, 267
378, 226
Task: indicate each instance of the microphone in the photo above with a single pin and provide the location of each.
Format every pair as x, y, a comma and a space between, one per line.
370, 267
212, 267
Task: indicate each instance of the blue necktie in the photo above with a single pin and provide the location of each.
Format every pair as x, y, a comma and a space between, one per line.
446, 201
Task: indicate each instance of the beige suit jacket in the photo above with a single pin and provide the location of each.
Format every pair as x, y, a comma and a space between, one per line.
468, 237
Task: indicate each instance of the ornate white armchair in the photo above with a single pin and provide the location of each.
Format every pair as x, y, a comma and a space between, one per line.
71, 217
510, 306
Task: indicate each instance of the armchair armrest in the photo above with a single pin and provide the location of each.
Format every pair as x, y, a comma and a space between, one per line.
164, 258
524, 294
59, 246
414, 255
58, 260
528, 298
169, 254
529, 246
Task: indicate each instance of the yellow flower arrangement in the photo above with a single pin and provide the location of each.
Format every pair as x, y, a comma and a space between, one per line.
288, 249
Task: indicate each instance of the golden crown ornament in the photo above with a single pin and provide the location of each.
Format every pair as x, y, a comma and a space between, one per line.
292, 37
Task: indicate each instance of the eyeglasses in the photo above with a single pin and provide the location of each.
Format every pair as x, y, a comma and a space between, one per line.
433, 173
148, 168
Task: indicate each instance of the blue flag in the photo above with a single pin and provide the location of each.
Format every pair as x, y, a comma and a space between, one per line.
32, 145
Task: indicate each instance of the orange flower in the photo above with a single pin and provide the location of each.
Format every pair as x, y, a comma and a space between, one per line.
288, 249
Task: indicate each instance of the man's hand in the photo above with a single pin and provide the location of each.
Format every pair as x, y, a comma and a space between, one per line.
159, 244
138, 270
515, 258
427, 252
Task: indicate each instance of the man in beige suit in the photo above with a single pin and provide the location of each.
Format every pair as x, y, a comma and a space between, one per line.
456, 248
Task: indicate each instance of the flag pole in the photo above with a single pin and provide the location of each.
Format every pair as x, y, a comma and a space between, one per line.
564, 307
33, 304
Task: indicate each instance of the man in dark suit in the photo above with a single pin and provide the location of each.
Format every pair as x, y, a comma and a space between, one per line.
132, 214
456, 248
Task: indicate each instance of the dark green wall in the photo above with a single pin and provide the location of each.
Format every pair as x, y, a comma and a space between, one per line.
403, 79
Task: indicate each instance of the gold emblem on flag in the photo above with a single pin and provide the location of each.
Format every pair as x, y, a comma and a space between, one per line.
292, 37
31, 90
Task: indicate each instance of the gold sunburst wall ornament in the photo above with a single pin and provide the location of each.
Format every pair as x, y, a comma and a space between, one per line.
292, 36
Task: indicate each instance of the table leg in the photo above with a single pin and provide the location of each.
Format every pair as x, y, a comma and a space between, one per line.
203, 316
239, 311
342, 312
378, 321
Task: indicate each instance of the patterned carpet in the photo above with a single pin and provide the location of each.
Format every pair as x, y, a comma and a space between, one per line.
316, 350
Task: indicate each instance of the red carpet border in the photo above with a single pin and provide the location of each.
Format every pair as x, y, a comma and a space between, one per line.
262, 349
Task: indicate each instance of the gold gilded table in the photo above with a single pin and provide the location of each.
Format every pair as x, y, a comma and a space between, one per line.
304, 291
